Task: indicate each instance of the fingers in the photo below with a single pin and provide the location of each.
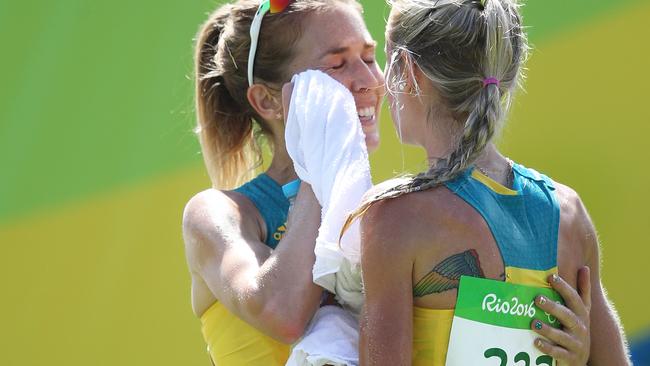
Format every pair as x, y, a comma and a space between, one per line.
557, 352
287, 90
571, 298
567, 318
570, 345
554, 335
584, 286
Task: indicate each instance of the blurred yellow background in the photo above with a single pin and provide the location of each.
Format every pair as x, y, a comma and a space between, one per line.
99, 159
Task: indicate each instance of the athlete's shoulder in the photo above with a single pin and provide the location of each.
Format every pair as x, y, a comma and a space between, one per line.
209, 205
572, 209
408, 218
575, 222
567, 197
213, 213
571, 206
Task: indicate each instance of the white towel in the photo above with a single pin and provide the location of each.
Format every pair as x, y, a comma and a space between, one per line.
324, 138
332, 328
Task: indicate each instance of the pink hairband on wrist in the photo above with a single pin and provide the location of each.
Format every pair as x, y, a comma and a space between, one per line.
491, 81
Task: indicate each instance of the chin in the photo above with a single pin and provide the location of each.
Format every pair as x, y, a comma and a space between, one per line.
372, 141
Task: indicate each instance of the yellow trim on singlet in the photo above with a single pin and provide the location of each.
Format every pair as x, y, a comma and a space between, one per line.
432, 327
529, 277
492, 184
233, 342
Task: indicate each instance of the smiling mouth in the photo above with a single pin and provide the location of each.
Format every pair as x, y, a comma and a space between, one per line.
367, 115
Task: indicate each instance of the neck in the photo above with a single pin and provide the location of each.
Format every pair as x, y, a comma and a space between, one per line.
281, 169
491, 158
440, 135
495, 165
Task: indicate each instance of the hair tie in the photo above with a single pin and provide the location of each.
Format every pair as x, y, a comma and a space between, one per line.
491, 81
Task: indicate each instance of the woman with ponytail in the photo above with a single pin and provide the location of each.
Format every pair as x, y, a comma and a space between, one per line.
432, 243
251, 270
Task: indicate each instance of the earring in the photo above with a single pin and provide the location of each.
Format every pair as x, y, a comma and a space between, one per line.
401, 86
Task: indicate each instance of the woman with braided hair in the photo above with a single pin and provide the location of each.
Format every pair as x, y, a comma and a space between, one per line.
454, 259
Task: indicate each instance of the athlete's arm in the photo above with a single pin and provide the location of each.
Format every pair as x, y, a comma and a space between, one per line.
386, 322
276, 295
591, 329
608, 344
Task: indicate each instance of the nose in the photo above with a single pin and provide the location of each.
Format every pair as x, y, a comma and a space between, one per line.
364, 77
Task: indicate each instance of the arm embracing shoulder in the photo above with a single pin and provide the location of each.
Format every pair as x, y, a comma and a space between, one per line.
386, 319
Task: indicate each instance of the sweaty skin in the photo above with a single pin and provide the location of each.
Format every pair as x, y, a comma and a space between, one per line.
223, 231
433, 225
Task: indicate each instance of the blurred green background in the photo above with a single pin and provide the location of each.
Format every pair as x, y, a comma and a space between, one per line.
98, 159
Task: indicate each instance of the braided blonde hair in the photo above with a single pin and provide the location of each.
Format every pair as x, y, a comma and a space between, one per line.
458, 45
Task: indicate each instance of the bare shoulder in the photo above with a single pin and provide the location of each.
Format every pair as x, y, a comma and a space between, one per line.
209, 209
216, 217
404, 221
569, 200
385, 216
386, 242
572, 209
377, 218
575, 221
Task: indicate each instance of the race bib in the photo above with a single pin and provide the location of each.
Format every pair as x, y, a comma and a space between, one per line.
491, 324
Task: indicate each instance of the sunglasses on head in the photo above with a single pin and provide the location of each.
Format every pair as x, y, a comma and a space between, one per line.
274, 6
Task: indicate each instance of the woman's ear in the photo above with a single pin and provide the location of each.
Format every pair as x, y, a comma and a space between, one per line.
267, 106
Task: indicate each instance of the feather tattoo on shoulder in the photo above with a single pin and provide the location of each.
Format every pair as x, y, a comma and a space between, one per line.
445, 275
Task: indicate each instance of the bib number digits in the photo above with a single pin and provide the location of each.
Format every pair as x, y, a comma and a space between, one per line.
523, 356
544, 360
497, 352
